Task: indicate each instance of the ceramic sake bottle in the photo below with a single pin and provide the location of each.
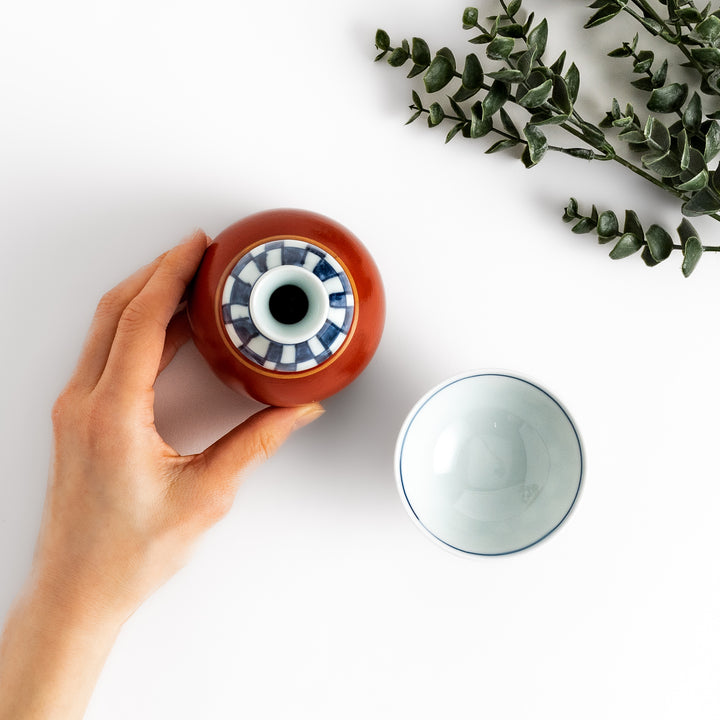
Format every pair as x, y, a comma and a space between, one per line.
287, 307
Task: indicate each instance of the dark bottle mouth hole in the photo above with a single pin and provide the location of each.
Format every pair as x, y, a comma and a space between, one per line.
289, 304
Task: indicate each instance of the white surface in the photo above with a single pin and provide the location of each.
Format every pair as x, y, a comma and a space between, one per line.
488, 463
126, 125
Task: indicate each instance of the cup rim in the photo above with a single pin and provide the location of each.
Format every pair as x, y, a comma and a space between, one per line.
423, 400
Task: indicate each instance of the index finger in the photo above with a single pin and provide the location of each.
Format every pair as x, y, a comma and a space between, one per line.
137, 348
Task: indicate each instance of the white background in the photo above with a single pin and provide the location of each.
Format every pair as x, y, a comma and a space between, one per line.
123, 126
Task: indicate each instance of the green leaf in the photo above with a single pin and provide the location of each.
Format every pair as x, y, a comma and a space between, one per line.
417, 100
703, 202
436, 114
626, 246
481, 123
500, 48
572, 79
666, 165
696, 176
571, 211
668, 99
470, 17
557, 66
507, 75
683, 149
536, 96
497, 96
692, 252
657, 135
643, 61
420, 52
712, 141
414, 117
585, 225
692, 116
537, 39
561, 95
632, 225
457, 109
709, 29
525, 62
514, 30
513, 7
464, 93
660, 75
607, 226
439, 74
447, 53
605, 13
593, 133
644, 83
647, 257
686, 230
507, 123
501, 145
537, 143
398, 57
707, 56
632, 136
659, 243
454, 131
472, 76
621, 52
382, 40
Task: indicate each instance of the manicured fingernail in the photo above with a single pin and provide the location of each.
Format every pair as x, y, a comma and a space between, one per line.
310, 413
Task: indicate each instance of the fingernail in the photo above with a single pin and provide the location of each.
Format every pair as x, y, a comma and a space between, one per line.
309, 413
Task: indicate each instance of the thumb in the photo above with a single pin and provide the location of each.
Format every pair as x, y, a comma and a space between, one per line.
218, 470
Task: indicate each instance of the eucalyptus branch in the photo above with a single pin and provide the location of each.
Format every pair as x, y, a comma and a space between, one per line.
674, 158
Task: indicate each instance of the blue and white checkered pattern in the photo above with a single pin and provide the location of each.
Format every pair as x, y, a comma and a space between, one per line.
273, 355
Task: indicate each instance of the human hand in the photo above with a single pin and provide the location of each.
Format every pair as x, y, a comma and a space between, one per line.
123, 508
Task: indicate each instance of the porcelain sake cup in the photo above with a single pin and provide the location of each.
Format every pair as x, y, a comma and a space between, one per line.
287, 307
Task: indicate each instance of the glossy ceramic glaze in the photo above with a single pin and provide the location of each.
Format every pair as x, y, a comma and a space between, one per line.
488, 463
287, 307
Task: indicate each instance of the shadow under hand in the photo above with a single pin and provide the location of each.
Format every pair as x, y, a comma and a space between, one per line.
193, 408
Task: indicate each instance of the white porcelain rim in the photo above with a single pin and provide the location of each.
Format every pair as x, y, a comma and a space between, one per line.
318, 304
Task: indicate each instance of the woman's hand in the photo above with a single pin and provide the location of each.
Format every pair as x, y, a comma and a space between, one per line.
123, 508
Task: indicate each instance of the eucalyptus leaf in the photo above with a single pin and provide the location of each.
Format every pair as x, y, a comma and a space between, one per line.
382, 40
712, 141
497, 96
626, 246
692, 115
536, 96
632, 225
607, 226
472, 77
703, 202
692, 252
439, 74
500, 48
501, 145
435, 115
709, 29
537, 143
668, 99
470, 17
420, 52
537, 39
605, 13
572, 79
507, 122
659, 243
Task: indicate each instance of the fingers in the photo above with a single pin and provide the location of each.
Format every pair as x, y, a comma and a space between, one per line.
137, 348
215, 474
99, 340
177, 334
